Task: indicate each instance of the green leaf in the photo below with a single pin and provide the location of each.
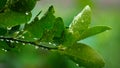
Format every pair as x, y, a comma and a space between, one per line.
56, 31
28, 36
81, 22
11, 18
84, 55
68, 38
47, 36
37, 27
58, 27
93, 31
47, 21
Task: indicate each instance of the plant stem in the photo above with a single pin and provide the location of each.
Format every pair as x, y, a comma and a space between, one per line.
28, 42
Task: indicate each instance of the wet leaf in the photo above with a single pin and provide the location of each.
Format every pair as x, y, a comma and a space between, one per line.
81, 22
55, 32
47, 21
47, 36
84, 55
93, 31
68, 38
58, 27
11, 18
45, 24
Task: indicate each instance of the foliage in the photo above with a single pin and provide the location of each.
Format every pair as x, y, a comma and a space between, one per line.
48, 33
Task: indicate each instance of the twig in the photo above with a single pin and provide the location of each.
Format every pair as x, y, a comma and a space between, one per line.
28, 42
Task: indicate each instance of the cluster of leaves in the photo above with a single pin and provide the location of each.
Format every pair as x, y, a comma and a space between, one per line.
48, 32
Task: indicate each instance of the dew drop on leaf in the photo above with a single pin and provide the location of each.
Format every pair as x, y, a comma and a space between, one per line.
1, 39
50, 43
77, 65
23, 43
36, 47
5, 50
27, 13
7, 40
11, 41
35, 38
17, 32
2, 49
54, 44
23, 37
8, 28
16, 41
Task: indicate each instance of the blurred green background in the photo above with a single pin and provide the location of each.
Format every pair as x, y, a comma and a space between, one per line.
105, 12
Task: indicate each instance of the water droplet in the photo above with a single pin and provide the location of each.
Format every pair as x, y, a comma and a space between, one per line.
63, 48
23, 37
5, 50
8, 28
23, 43
16, 41
50, 43
29, 44
1, 39
54, 44
27, 13
36, 47
11, 41
7, 40
77, 65
35, 38
17, 32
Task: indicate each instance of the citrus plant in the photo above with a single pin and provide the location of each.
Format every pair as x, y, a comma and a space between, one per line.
48, 32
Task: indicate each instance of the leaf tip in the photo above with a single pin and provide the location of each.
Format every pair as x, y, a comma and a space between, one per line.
51, 9
109, 28
87, 7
